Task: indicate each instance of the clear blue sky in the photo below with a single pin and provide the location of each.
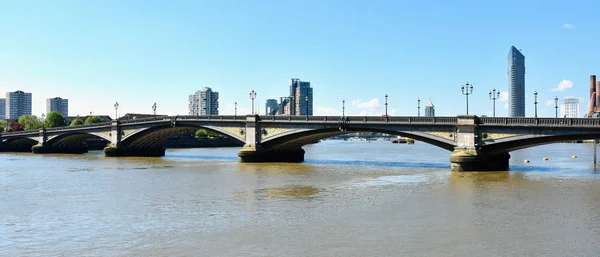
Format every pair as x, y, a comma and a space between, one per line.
139, 52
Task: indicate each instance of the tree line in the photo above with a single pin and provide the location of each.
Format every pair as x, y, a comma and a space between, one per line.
54, 119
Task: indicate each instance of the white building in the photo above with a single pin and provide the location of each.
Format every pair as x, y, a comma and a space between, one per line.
17, 103
569, 108
429, 109
204, 102
2, 109
58, 104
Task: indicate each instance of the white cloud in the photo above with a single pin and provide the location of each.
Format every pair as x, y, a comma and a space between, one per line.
550, 102
563, 85
568, 26
365, 105
505, 106
327, 111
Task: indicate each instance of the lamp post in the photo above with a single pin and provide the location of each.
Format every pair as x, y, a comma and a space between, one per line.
418, 107
235, 109
556, 106
306, 101
252, 96
494, 95
386, 113
116, 108
343, 108
467, 90
154, 110
43, 121
535, 94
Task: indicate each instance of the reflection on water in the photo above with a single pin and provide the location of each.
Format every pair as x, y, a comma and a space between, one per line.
347, 199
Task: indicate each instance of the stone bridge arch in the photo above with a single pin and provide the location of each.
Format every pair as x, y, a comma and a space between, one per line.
70, 142
519, 142
298, 138
18, 144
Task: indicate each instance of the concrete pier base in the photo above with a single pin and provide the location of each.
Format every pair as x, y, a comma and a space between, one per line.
253, 154
111, 151
471, 160
42, 149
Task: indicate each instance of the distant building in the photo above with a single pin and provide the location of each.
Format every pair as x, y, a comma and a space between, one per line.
204, 102
569, 108
429, 109
301, 95
271, 107
2, 109
516, 83
17, 103
58, 104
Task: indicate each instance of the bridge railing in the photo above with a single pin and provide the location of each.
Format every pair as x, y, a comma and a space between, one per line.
99, 124
557, 122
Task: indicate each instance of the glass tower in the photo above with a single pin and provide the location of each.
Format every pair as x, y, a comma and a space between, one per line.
516, 83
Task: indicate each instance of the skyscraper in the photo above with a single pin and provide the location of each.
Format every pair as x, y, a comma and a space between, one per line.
516, 83
2, 109
569, 108
204, 102
17, 103
58, 104
429, 109
271, 107
302, 97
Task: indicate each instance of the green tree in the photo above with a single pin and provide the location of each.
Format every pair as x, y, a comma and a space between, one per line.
92, 119
3, 125
205, 133
54, 119
30, 122
77, 122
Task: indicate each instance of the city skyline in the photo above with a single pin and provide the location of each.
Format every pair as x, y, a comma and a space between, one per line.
342, 54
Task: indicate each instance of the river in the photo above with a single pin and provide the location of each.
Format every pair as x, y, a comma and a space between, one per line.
349, 198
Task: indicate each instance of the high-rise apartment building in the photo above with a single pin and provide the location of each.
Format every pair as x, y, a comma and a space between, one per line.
17, 103
58, 104
301, 95
569, 108
2, 109
271, 107
516, 83
429, 109
204, 102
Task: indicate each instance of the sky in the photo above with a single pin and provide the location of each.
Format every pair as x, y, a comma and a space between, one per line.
137, 53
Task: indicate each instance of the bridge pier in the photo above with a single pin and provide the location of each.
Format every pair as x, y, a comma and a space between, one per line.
111, 151
258, 154
472, 160
43, 148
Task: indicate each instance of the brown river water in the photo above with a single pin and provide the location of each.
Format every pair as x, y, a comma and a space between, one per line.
350, 198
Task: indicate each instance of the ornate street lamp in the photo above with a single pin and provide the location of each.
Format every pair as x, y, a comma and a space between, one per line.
535, 94
556, 106
235, 109
43, 121
343, 108
154, 110
418, 107
494, 96
386, 113
252, 96
116, 108
467, 90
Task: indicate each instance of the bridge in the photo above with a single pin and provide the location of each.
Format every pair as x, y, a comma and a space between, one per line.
476, 143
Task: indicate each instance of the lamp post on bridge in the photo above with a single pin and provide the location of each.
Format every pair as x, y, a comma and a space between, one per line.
116, 108
235, 109
494, 96
343, 108
43, 121
556, 106
535, 94
154, 110
386, 113
418, 107
467, 90
252, 96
